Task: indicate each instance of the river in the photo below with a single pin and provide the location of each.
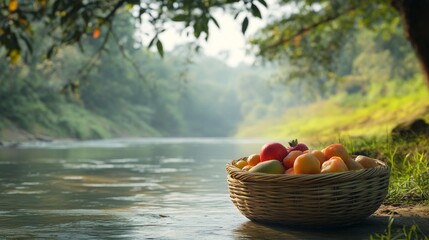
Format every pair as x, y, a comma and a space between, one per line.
154, 188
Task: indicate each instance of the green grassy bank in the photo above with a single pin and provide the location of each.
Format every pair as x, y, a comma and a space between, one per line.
345, 115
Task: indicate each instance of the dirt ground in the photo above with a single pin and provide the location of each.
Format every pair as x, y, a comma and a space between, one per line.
406, 215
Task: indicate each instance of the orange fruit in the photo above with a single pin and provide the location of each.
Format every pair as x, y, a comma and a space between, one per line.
306, 163
290, 158
334, 164
97, 32
319, 155
336, 149
253, 159
289, 171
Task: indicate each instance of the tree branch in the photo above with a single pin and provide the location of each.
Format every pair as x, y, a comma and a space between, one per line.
115, 8
308, 28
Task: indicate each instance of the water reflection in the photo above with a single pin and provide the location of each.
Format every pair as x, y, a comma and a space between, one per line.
134, 189
167, 189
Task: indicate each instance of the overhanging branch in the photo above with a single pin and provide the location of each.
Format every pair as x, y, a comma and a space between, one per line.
303, 30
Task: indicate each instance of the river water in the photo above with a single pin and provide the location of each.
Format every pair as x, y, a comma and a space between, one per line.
156, 188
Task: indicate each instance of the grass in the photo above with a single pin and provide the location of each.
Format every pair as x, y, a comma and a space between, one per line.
409, 233
364, 128
409, 162
409, 176
341, 115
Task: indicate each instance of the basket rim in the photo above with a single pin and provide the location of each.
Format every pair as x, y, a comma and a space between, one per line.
239, 174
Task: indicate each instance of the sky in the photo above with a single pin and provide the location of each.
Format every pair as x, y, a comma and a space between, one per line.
226, 40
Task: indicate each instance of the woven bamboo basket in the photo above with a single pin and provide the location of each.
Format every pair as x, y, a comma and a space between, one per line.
318, 200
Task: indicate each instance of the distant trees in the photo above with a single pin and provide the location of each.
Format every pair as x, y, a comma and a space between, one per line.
310, 34
116, 99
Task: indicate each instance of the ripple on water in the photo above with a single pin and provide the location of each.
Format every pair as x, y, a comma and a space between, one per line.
21, 191
124, 160
164, 170
30, 183
177, 160
108, 166
73, 178
147, 185
88, 166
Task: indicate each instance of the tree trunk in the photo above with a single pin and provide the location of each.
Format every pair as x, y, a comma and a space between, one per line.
415, 17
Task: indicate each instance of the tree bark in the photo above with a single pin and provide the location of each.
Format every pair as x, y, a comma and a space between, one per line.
415, 18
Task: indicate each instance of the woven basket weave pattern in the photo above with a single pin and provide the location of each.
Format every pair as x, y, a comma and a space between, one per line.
309, 199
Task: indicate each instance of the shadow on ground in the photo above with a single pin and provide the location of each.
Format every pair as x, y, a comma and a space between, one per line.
370, 226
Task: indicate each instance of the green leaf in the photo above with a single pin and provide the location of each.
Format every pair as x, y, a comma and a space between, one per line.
263, 3
236, 15
133, 2
142, 11
197, 29
155, 38
160, 48
244, 25
51, 51
215, 22
255, 11
180, 18
27, 43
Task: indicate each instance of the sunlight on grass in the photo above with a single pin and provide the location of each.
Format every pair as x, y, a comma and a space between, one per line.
409, 176
409, 162
341, 115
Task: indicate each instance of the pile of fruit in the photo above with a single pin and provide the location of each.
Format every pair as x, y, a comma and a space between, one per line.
297, 158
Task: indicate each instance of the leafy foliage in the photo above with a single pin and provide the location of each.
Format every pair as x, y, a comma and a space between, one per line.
71, 21
312, 35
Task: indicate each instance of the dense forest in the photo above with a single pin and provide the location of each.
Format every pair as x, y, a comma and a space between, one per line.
127, 91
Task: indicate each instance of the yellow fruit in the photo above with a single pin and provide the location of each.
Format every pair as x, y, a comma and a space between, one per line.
13, 5
247, 168
241, 164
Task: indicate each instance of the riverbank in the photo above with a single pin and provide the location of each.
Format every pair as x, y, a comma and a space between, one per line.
342, 116
405, 218
13, 135
151, 189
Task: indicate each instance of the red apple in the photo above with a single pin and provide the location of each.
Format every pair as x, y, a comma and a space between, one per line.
272, 151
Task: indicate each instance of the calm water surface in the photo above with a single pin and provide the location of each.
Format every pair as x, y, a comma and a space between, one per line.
127, 189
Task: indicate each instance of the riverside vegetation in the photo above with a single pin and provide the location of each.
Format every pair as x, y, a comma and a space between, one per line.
170, 97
